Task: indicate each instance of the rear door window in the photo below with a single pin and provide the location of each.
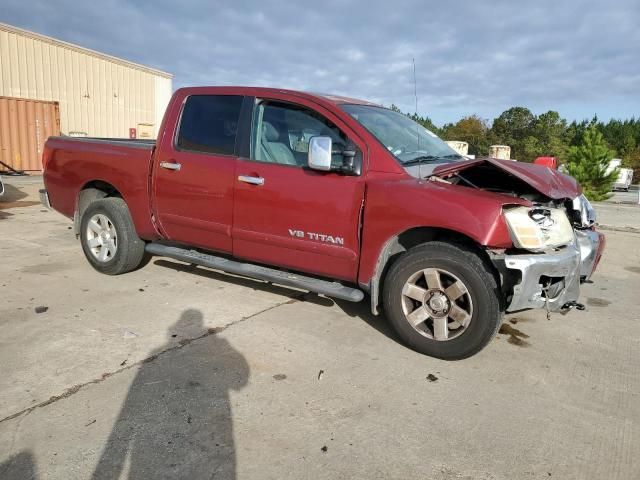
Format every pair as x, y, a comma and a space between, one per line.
209, 124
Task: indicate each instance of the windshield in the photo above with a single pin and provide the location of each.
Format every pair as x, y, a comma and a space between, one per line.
407, 140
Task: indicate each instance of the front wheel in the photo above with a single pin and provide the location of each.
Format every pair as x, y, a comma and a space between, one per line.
109, 239
442, 300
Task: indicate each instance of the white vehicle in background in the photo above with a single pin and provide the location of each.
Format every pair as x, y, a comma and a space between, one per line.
625, 175
624, 179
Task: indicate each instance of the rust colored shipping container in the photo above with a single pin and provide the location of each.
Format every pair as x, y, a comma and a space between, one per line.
24, 127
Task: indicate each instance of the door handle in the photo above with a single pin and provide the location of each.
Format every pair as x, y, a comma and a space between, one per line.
171, 165
251, 180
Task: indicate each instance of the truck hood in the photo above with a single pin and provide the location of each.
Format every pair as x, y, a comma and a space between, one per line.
551, 183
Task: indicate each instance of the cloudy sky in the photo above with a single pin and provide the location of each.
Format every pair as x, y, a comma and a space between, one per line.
578, 57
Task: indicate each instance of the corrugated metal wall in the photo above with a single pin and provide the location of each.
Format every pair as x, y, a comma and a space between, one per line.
31, 121
98, 95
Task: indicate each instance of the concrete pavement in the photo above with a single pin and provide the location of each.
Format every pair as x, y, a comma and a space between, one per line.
618, 216
631, 197
175, 372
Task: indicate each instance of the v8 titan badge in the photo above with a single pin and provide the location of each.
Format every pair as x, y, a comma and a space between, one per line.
321, 237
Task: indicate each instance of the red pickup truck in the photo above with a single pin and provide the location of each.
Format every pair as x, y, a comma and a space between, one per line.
337, 196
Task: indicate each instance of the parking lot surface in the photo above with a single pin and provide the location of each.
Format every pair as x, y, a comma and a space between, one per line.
180, 372
630, 197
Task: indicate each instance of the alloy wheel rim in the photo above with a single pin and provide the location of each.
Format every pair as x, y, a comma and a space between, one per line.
437, 304
102, 238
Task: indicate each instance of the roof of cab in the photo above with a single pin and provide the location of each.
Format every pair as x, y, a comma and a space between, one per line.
339, 99
259, 91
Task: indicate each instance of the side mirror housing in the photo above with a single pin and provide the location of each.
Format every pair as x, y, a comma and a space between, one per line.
321, 157
320, 153
351, 160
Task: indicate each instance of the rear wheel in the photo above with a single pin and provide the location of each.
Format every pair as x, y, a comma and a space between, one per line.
108, 236
442, 300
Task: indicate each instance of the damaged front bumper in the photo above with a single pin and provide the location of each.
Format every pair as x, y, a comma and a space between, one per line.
591, 245
549, 280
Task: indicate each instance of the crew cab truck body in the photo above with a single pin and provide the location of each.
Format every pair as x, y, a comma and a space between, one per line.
337, 196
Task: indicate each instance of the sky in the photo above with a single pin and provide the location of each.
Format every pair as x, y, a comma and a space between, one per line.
580, 58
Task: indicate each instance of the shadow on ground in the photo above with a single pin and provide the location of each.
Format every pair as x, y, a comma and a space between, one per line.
176, 421
21, 466
257, 285
11, 194
361, 310
13, 198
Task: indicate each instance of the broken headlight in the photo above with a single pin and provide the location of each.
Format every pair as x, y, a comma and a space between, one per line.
538, 228
584, 216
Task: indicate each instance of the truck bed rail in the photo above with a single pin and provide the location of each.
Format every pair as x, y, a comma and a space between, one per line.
121, 142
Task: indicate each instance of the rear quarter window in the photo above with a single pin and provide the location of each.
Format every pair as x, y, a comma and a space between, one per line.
209, 124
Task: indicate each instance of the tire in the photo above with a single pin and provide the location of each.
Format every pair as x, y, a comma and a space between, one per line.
110, 243
460, 285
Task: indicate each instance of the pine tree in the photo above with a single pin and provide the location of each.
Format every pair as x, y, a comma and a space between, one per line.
588, 163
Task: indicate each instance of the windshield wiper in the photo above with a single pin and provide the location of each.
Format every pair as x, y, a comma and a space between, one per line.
421, 159
430, 158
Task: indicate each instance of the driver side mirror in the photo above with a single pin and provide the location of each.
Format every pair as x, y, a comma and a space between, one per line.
320, 153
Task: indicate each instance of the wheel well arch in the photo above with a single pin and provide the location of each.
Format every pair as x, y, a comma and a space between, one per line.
395, 246
106, 187
90, 192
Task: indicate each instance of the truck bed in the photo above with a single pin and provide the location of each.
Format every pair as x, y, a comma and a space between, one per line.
74, 163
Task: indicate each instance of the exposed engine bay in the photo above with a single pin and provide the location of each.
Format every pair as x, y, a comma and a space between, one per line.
539, 185
488, 177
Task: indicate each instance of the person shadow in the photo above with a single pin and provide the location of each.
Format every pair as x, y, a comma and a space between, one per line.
176, 421
21, 466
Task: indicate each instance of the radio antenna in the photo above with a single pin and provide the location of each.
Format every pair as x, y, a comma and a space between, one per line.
415, 86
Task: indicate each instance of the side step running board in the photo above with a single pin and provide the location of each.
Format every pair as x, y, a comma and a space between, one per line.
330, 289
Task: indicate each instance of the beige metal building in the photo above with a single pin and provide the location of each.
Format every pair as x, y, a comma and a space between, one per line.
97, 95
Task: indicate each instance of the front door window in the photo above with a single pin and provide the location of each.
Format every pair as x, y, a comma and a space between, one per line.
282, 132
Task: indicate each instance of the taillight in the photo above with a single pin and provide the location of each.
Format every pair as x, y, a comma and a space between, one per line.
47, 153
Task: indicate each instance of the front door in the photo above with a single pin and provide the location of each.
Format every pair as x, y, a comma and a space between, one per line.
286, 214
195, 171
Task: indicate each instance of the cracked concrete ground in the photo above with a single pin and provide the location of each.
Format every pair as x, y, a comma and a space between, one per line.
175, 372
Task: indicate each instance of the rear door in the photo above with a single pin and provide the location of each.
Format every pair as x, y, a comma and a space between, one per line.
287, 214
194, 171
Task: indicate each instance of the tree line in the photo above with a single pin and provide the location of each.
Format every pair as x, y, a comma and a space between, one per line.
547, 134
